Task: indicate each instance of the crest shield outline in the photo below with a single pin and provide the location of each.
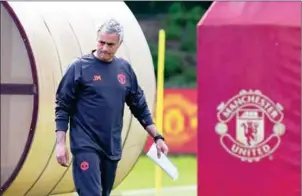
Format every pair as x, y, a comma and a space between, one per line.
251, 140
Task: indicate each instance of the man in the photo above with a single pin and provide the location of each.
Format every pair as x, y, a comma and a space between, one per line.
91, 98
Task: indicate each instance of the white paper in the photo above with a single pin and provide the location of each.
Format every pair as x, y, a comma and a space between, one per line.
163, 162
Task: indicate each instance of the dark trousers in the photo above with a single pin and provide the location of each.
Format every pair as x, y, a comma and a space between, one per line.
93, 174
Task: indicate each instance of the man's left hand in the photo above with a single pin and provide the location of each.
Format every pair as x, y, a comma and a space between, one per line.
161, 147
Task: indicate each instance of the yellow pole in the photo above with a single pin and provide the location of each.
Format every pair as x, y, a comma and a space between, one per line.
160, 100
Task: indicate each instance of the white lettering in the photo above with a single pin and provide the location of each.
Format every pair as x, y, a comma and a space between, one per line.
270, 109
257, 99
234, 148
242, 151
251, 99
238, 102
266, 148
267, 105
262, 102
232, 107
274, 114
227, 113
250, 152
259, 152
254, 99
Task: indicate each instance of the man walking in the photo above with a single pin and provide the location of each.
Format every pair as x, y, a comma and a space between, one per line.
90, 98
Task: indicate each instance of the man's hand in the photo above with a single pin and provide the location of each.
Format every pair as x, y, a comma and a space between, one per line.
62, 155
160, 143
161, 147
61, 149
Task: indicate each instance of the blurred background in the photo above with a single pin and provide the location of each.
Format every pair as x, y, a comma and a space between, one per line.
179, 20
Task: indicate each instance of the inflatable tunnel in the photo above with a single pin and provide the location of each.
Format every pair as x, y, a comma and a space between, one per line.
38, 41
249, 99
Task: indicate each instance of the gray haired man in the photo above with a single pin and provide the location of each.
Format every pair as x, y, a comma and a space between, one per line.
90, 98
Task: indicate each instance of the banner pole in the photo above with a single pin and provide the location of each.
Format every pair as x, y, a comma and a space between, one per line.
159, 101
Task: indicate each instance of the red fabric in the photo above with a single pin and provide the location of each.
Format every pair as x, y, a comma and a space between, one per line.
180, 121
251, 13
243, 46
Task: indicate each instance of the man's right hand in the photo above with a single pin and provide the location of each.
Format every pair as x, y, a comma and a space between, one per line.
62, 155
61, 149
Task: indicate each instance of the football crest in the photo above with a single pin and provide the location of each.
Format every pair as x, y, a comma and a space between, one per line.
250, 125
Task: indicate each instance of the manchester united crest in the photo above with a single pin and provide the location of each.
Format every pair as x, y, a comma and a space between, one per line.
250, 125
121, 78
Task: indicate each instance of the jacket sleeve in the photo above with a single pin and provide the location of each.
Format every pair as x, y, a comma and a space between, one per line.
137, 103
66, 97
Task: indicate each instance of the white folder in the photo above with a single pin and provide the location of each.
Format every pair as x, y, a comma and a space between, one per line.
163, 162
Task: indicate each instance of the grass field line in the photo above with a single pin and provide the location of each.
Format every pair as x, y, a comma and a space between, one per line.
153, 190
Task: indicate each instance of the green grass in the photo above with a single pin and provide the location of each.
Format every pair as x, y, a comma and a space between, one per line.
143, 176
163, 193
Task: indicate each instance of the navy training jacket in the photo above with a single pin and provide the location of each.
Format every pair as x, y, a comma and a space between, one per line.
91, 98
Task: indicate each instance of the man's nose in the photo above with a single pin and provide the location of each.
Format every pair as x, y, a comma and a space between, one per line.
105, 47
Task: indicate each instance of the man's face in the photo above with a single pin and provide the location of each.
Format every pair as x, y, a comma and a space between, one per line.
107, 45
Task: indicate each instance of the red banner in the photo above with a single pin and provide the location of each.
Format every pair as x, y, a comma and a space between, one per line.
180, 121
249, 108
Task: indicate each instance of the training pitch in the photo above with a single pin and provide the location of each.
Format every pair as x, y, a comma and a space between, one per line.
141, 180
